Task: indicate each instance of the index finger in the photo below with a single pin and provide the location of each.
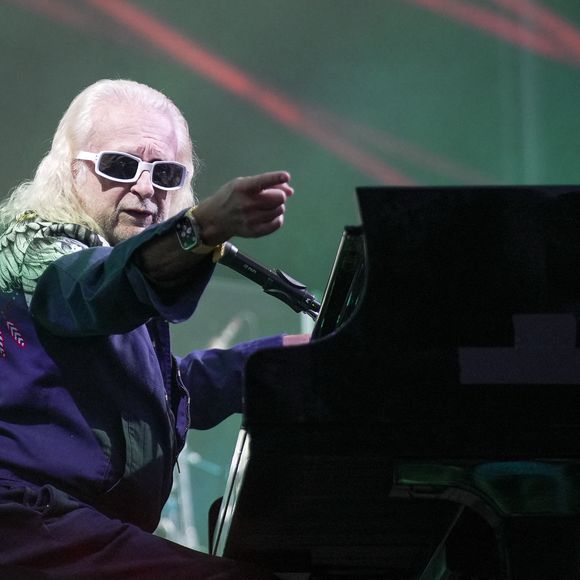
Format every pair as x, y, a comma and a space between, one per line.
256, 183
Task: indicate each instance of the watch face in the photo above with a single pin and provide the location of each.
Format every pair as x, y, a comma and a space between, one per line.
187, 233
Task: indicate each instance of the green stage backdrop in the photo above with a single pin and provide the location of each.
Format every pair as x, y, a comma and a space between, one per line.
339, 92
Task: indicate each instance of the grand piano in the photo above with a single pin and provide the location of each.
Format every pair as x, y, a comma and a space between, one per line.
445, 353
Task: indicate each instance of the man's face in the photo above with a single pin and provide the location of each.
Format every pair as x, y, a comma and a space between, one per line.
125, 209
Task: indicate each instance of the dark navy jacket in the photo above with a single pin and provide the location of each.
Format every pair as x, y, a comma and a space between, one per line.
91, 399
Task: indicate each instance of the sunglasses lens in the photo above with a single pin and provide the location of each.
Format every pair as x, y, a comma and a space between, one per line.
168, 174
118, 166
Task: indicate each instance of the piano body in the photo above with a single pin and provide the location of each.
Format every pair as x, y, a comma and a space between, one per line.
447, 335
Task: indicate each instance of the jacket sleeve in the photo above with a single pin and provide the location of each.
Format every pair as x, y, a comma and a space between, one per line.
101, 291
214, 379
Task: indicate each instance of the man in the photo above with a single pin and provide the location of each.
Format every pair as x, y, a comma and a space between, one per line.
97, 252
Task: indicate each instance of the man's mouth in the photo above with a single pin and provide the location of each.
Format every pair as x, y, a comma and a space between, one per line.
140, 216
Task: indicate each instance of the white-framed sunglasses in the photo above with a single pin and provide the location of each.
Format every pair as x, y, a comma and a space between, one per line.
127, 168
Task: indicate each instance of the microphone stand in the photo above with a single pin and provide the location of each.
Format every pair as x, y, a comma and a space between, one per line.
273, 282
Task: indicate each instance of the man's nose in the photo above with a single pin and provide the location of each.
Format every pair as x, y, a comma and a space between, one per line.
144, 186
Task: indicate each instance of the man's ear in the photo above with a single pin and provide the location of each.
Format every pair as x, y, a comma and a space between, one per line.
78, 171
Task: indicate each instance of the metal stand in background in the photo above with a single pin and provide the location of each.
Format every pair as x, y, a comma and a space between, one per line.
178, 518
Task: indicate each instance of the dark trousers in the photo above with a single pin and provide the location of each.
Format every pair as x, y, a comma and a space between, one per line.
46, 534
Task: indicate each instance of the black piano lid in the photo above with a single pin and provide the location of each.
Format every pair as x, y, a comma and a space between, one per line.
446, 268
452, 264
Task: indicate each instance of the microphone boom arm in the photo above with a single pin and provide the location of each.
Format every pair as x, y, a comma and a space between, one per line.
274, 282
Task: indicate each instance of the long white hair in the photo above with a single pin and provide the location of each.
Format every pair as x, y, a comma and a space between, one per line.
52, 192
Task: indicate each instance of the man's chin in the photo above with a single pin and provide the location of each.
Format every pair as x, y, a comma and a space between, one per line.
122, 233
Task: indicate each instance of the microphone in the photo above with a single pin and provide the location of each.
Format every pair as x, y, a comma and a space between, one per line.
274, 282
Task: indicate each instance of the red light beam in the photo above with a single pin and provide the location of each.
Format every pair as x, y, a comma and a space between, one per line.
515, 32
561, 31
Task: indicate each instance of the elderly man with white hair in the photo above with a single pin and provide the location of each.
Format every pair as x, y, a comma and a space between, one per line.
97, 253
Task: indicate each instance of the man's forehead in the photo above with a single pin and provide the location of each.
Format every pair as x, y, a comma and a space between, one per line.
124, 124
